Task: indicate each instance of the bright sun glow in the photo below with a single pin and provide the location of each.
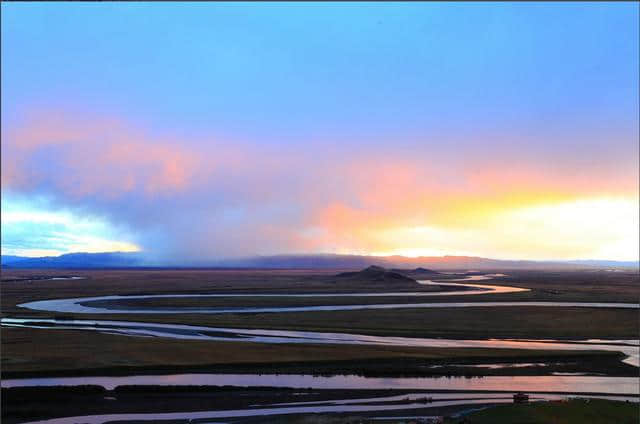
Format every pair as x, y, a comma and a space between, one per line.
585, 228
55, 232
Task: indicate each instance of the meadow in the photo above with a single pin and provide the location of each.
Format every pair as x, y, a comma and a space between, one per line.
39, 352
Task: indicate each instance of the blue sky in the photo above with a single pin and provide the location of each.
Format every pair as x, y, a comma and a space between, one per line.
203, 128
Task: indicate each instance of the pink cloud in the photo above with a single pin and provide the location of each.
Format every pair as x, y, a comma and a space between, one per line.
248, 197
93, 156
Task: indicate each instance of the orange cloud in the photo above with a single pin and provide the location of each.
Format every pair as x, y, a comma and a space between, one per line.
253, 197
94, 156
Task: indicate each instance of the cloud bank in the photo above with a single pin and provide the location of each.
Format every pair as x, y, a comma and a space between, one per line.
211, 130
205, 198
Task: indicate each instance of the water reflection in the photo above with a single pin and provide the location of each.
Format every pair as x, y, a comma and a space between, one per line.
200, 415
531, 384
331, 406
100, 304
193, 332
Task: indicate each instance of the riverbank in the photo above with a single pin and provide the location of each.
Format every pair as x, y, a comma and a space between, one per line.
238, 404
434, 349
574, 411
91, 353
455, 323
407, 355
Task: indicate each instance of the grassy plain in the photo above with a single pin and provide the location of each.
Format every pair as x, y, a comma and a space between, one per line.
577, 411
23, 404
37, 351
586, 286
457, 323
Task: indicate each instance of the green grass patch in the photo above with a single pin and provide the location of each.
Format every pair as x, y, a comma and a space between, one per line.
578, 411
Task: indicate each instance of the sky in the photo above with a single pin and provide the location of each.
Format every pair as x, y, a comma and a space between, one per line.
212, 130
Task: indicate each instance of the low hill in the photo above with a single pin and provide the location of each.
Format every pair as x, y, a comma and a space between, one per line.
417, 271
375, 274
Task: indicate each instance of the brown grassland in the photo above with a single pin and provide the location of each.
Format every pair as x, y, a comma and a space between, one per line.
73, 351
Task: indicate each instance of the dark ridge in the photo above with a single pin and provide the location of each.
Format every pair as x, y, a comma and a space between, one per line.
375, 273
33, 391
425, 270
419, 270
138, 260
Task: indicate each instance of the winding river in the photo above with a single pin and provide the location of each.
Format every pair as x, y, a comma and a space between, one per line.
336, 406
194, 332
109, 305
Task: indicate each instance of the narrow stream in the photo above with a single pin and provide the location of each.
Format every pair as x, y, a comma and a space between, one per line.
96, 304
188, 417
532, 384
194, 332
625, 388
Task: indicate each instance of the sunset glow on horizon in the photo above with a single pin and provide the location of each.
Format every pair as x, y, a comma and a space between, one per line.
406, 129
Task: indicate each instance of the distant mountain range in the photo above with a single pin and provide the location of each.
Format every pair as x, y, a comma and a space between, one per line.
76, 260
356, 262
